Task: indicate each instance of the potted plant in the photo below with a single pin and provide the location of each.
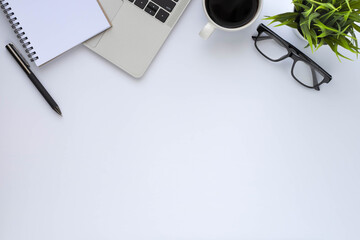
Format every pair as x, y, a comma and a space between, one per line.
325, 22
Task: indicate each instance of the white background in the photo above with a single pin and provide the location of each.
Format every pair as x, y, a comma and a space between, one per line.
215, 142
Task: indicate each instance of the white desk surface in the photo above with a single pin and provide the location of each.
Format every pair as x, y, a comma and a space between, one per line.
215, 142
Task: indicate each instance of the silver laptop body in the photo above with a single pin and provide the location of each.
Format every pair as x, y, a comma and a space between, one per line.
139, 29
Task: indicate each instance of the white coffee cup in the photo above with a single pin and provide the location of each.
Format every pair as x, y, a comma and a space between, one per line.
212, 25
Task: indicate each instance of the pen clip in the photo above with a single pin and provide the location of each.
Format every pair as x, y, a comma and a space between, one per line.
12, 46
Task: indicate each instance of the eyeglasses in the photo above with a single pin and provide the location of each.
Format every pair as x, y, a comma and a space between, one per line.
304, 70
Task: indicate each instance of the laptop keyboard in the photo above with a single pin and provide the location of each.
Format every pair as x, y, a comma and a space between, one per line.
160, 9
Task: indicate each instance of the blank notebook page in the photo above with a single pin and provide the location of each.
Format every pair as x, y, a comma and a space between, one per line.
53, 27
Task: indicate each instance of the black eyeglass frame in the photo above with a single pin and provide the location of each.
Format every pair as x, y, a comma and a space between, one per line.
293, 53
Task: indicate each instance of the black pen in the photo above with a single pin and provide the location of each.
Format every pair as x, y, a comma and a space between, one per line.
26, 67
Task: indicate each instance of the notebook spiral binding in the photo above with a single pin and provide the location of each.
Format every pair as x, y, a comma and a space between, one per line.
20, 34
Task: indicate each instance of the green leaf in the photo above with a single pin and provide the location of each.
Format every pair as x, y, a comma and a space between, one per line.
356, 27
334, 49
299, 6
288, 23
323, 26
308, 12
325, 17
355, 17
311, 17
355, 42
307, 35
284, 19
348, 4
321, 43
322, 5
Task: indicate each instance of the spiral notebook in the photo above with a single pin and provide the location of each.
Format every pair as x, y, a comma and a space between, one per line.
48, 28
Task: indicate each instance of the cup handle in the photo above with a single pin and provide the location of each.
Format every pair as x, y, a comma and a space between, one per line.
207, 31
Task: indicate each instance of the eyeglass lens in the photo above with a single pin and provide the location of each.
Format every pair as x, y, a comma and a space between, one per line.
307, 75
274, 50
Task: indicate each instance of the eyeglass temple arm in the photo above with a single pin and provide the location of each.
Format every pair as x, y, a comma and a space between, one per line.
260, 38
315, 81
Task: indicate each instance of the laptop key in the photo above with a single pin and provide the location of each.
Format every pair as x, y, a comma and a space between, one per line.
168, 5
153, 6
162, 15
141, 3
150, 11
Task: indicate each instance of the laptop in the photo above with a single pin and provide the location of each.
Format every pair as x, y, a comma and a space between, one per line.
139, 29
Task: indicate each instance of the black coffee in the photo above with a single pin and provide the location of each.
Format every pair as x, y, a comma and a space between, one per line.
231, 13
